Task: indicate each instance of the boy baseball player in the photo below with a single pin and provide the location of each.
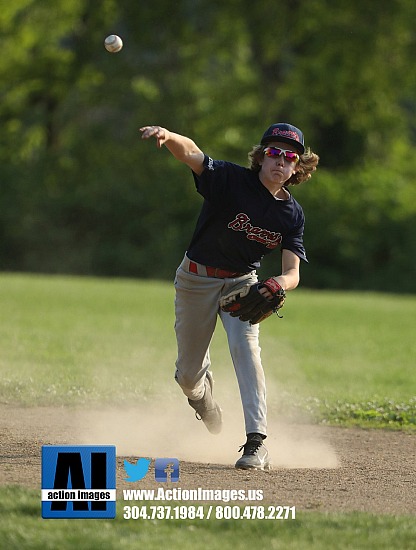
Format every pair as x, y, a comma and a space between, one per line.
246, 214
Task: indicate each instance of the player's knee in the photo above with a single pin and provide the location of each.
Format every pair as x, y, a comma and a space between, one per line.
241, 350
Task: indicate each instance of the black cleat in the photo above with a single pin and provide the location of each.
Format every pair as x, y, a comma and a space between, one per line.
255, 455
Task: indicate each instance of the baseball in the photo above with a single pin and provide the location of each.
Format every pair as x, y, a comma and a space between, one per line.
113, 43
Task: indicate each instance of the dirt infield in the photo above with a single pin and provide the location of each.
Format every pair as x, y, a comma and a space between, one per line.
314, 468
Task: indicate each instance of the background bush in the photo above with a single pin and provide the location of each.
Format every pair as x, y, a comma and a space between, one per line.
79, 191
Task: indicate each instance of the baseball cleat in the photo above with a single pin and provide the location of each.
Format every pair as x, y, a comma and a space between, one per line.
206, 409
255, 455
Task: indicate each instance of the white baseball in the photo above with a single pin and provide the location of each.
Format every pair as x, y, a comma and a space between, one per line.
113, 43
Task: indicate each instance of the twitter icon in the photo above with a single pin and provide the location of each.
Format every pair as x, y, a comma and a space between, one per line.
136, 472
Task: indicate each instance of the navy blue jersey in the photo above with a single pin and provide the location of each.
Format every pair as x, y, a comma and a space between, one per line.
241, 221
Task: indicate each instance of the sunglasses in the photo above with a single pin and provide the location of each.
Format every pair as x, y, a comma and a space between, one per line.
274, 152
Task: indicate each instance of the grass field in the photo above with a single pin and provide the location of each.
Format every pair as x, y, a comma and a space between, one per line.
22, 528
345, 358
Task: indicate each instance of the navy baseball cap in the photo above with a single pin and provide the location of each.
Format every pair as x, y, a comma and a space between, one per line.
287, 134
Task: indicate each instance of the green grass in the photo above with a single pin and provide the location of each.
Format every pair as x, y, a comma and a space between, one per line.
79, 340
22, 528
343, 358
346, 342
376, 414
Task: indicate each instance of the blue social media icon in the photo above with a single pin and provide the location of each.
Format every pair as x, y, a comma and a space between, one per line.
136, 472
166, 469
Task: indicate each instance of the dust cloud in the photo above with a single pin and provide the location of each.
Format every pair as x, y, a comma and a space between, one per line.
166, 427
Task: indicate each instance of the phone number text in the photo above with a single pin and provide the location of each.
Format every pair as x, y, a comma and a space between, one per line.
208, 512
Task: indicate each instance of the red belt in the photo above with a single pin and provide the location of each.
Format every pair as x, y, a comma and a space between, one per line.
214, 271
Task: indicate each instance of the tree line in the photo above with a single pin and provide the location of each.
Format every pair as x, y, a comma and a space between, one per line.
80, 193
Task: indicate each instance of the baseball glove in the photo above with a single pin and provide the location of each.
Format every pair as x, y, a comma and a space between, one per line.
249, 304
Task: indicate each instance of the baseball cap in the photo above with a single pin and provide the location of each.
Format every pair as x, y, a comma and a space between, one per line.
287, 134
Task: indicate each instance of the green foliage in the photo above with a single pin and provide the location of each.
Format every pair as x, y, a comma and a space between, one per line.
361, 227
384, 413
79, 192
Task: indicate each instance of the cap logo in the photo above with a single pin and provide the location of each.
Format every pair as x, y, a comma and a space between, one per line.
285, 133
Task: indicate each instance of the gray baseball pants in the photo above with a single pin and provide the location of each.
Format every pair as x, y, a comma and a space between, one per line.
197, 310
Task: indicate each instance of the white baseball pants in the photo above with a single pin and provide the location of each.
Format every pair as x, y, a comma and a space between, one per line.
196, 309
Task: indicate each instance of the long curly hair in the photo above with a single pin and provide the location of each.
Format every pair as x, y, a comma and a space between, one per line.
307, 164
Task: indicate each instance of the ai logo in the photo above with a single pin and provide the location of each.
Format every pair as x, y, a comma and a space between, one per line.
78, 481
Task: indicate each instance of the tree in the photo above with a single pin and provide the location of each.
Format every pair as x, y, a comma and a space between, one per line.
89, 197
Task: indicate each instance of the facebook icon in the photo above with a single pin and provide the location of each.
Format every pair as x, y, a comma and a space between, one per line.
166, 469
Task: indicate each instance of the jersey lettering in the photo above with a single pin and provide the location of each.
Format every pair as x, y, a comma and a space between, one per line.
269, 238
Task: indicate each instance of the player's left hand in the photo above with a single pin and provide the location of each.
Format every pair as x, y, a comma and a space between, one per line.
255, 302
